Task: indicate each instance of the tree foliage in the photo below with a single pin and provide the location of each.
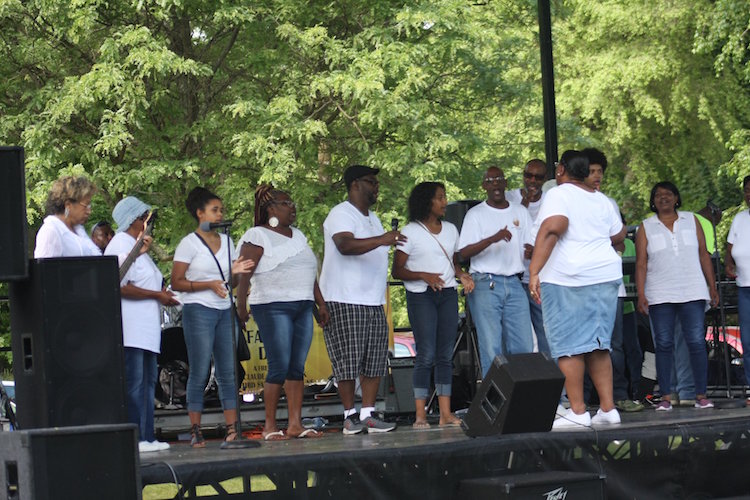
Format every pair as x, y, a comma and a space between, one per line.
153, 97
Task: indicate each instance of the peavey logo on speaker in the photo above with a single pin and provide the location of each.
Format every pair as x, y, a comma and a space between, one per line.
557, 494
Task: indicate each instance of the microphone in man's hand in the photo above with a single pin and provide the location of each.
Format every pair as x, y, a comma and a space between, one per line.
394, 224
712, 206
208, 226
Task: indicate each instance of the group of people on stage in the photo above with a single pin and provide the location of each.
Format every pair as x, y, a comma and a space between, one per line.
544, 268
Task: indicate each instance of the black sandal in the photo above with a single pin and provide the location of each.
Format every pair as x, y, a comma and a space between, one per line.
231, 432
197, 440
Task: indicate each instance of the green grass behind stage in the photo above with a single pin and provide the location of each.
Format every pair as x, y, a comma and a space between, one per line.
257, 483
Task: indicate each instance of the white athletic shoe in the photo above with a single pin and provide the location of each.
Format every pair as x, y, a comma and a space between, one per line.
561, 410
161, 444
571, 420
146, 447
610, 417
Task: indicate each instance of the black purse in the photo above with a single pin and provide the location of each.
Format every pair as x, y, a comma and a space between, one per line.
243, 351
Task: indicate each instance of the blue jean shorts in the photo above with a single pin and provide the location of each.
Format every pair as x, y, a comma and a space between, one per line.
579, 319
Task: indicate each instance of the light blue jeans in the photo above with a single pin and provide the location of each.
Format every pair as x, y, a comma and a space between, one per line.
209, 331
500, 309
537, 320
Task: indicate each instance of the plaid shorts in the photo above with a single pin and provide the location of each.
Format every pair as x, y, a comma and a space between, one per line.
356, 340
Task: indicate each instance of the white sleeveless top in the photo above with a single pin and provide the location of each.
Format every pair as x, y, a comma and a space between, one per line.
674, 272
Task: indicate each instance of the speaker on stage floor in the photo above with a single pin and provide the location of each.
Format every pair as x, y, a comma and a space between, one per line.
67, 343
399, 396
14, 245
519, 394
91, 462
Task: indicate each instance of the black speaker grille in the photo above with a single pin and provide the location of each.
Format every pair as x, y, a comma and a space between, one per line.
14, 246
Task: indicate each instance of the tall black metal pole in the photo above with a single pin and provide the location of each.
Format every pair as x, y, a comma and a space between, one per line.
548, 86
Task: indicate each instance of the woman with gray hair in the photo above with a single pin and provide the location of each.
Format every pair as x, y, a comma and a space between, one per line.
68, 207
575, 274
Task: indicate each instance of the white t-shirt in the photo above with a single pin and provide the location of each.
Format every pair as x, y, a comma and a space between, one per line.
503, 258
425, 254
54, 239
287, 269
583, 255
202, 267
353, 279
515, 196
674, 273
739, 237
141, 324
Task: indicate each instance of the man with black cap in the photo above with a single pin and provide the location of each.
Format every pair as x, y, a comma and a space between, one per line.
142, 291
353, 282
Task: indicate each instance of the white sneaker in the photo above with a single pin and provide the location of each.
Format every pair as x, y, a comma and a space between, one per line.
561, 410
161, 445
610, 417
571, 420
146, 447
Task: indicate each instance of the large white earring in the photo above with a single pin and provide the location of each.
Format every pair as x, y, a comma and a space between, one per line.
67, 212
273, 221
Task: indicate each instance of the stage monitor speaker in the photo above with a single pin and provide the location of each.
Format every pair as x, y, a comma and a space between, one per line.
14, 244
519, 394
92, 462
67, 343
456, 211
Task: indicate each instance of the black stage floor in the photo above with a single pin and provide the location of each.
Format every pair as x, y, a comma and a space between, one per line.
685, 453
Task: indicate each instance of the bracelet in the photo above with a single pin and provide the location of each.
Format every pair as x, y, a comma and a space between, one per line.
191, 287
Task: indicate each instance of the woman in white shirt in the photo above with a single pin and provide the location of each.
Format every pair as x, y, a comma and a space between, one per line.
674, 279
284, 295
68, 207
575, 273
738, 266
427, 262
199, 271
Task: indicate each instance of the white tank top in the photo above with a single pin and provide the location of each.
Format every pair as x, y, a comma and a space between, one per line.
674, 272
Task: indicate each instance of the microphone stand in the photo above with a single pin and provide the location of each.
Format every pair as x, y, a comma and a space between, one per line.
730, 401
239, 442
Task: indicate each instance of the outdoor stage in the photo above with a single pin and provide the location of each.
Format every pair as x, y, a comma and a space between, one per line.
685, 453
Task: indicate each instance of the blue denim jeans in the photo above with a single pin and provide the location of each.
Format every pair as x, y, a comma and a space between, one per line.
617, 355
434, 320
691, 316
537, 321
209, 331
743, 303
682, 375
633, 354
140, 383
286, 329
500, 309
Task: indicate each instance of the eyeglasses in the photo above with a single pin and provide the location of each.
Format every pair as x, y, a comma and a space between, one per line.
371, 182
539, 177
87, 207
288, 203
493, 180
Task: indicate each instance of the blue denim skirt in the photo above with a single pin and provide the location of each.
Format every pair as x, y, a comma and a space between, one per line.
579, 319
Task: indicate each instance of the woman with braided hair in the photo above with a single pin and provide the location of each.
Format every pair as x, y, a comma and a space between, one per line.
283, 292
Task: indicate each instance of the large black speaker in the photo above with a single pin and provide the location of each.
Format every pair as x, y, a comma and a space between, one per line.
67, 343
91, 462
519, 394
456, 211
14, 245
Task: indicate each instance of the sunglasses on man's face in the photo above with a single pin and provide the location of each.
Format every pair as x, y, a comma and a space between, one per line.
539, 177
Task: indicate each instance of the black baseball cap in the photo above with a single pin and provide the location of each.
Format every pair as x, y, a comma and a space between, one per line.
356, 171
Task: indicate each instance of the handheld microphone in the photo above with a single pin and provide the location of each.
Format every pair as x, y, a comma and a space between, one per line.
394, 224
712, 206
208, 226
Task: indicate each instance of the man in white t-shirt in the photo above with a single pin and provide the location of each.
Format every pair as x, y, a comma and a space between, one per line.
353, 282
142, 292
624, 343
531, 196
495, 235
